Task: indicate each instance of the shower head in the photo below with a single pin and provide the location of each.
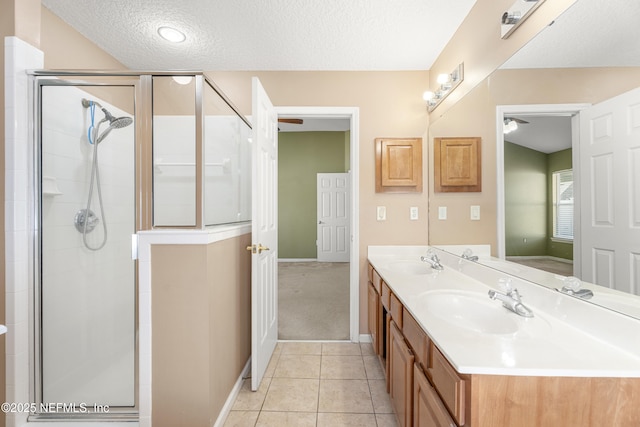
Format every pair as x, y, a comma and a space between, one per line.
114, 122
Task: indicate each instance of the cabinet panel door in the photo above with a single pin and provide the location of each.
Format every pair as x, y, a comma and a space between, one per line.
373, 318
401, 377
428, 409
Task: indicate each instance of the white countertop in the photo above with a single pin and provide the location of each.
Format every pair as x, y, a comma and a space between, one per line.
564, 338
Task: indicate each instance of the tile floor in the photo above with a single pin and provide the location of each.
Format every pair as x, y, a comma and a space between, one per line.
317, 384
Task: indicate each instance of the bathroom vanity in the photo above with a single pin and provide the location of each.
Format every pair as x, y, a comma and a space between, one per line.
454, 357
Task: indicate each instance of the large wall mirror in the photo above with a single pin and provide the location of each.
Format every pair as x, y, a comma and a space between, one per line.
588, 56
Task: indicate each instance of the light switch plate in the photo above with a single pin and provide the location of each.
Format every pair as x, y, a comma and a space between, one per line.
475, 213
442, 212
413, 213
381, 213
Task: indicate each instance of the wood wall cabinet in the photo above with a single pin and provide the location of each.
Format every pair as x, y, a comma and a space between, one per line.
398, 165
457, 165
428, 409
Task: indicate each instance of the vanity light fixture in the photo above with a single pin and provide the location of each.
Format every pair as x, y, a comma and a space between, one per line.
447, 82
171, 34
516, 15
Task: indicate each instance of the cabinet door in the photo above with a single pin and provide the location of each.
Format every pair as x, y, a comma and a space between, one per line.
401, 377
373, 317
428, 409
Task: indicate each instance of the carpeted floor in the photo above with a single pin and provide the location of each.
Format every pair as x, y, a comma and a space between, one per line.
546, 264
313, 300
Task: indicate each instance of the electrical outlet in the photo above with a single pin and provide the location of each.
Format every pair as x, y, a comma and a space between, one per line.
413, 213
381, 213
442, 212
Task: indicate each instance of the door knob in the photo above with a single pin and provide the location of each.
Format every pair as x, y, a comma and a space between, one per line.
257, 249
320, 222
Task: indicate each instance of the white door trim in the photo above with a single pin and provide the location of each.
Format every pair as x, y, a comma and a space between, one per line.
537, 109
351, 113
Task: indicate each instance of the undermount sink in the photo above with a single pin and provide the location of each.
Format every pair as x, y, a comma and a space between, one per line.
470, 310
409, 267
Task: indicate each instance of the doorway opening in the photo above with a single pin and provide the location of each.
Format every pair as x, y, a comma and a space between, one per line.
533, 141
317, 293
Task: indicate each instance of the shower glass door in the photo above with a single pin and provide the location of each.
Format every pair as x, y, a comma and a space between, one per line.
86, 286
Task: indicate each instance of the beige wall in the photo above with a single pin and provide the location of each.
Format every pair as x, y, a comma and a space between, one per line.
201, 328
475, 115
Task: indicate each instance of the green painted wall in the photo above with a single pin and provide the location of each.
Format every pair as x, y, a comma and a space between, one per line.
557, 161
301, 155
525, 174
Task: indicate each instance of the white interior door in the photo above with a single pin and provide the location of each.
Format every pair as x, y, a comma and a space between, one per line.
264, 230
333, 236
610, 192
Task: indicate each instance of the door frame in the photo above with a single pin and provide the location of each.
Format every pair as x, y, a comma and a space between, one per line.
351, 113
539, 110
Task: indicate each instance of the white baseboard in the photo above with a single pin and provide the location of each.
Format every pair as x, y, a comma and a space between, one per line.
297, 259
224, 412
365, 338
553, 258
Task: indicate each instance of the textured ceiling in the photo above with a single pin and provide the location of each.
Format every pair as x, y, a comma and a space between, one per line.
269, 35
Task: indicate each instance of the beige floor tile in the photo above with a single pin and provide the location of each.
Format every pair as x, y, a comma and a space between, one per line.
241, 419
346, 420
342, 368
366, 348
292, 394
286, 419
373, 368
311, 348
341, 349
380, 397
345, 396
248, 400
271, 367
298, 366
387, 420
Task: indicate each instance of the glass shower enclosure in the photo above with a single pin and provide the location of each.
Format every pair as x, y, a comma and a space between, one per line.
85, 215
115, 153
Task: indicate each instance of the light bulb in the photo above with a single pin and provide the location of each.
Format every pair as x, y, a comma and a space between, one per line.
428, 96
171, 34
182, 80
443, 79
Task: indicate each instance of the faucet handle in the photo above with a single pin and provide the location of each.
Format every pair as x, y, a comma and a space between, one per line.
505, 284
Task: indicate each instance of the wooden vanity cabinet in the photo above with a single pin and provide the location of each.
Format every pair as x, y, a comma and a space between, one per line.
373, 317
401, 377
428, 409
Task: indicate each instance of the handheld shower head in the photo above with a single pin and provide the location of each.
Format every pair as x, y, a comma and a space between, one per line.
114, 122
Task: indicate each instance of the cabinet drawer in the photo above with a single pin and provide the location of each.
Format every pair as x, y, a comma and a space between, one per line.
417, 339
376, 281
385, 296
428, 409
448, 383
396, 311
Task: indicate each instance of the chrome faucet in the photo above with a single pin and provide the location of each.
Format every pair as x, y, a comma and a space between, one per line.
572, 286
468, 255
432, 259
512, 301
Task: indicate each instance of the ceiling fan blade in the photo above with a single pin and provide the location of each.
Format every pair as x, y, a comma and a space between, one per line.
292, 121
519, 121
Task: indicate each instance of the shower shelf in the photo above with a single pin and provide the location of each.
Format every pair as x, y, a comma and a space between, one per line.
50, 186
